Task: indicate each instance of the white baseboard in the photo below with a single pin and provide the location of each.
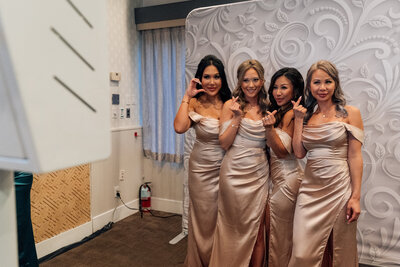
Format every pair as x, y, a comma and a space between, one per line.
167, 205
78, 233
120, 213
64, 239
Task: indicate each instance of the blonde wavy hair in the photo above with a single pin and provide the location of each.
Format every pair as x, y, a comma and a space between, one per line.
262, 95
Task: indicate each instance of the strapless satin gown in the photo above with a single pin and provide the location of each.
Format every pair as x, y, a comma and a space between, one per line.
204, 165
243, 192
286, 175
323, 195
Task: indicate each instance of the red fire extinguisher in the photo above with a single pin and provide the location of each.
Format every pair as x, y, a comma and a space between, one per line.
144, 198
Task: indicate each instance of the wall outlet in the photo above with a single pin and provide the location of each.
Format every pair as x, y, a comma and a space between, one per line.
122, 174
116, 190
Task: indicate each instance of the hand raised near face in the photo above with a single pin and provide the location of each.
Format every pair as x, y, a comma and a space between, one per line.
298, 110
269, 120
235, 107
191, 90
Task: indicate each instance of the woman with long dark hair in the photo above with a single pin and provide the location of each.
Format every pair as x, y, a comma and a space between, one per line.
286, 172
330, 133
239, 237
201, 108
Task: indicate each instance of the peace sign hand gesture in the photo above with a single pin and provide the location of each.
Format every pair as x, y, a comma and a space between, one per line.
269, 120
298, 110
235, 107
191, 91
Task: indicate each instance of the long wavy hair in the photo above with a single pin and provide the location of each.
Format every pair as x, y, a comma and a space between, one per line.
262, 95
294, 76
224, 93
338, 95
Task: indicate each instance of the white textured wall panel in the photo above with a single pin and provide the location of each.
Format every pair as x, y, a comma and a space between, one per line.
362, 38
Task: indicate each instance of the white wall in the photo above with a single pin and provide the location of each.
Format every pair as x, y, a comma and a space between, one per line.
167, 184
127, 150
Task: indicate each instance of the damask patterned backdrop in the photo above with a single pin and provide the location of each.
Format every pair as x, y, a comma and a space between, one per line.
362, 38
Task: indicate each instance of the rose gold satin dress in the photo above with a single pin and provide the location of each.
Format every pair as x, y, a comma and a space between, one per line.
323, 195
204, 165
286, 175
243, 192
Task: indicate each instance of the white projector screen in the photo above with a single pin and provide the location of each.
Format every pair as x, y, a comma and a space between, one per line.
54, 100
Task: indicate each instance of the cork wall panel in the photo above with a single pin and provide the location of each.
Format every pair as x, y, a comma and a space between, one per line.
60, 201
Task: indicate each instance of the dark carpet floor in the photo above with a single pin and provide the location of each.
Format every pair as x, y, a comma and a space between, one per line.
130, 242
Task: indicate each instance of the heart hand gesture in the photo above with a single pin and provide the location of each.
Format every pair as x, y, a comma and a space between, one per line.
191, 91
298, 110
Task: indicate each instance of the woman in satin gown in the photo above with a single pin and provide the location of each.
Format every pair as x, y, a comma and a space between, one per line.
330, 133
201, 107
286, 172
239, 236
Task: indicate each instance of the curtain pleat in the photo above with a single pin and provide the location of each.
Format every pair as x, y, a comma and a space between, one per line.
163, 86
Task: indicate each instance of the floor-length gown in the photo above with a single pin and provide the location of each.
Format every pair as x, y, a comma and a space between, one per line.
286, 175
204, 165
243, 192
323, 195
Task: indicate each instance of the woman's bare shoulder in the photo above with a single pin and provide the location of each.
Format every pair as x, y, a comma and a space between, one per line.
354, 116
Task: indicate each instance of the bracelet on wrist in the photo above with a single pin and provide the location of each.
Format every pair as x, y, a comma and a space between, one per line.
234, 126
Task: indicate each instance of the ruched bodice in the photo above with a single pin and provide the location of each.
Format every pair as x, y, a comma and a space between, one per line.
286, 175
329, 140
323, 195
242, 197
287, 170
250, 133
207, 129
204, 166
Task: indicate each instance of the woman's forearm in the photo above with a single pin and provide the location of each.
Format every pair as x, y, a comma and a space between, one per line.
228, 136
182, 121
275, 143
297, 142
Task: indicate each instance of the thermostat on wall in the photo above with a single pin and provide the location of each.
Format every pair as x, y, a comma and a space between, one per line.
115, 76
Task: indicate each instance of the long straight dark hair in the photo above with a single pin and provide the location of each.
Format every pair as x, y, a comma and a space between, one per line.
210, 60
294, 76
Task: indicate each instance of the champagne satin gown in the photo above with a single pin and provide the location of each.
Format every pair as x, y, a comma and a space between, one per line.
204, 165
243, 192
323, 195
286, 175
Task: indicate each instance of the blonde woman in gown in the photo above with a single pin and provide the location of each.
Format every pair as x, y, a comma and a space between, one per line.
330, 133
201, 109
239, 237
286, 172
